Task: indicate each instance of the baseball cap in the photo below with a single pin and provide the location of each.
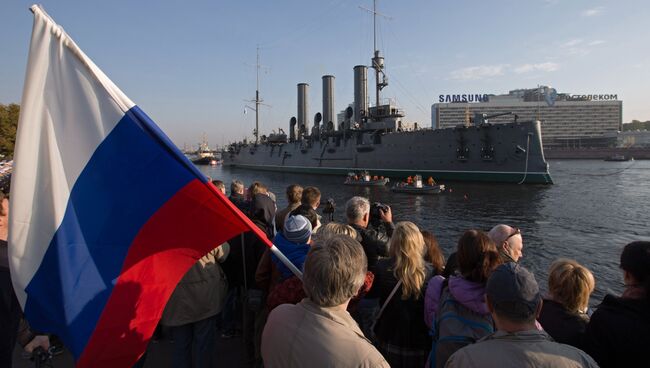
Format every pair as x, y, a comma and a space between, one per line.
513, 291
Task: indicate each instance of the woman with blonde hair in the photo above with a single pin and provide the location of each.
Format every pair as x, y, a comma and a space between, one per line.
400, 282
335, 228
564, 312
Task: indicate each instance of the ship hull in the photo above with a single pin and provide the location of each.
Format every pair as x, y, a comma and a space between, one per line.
516, 154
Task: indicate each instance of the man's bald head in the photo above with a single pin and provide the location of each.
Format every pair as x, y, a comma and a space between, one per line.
509, 241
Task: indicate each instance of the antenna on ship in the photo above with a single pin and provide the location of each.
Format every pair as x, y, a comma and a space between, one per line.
377, 61
258, 101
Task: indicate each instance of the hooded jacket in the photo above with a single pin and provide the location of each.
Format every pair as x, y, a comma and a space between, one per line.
469, 294
295, 252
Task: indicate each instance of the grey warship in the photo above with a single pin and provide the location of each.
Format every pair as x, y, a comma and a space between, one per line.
378, 139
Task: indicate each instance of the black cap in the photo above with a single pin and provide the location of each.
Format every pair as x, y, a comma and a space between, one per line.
513, 291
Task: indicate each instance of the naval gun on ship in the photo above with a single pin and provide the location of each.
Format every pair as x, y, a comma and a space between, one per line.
480, 118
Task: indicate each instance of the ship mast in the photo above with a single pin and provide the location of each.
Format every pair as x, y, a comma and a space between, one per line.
377, 60
257, 97
258, 101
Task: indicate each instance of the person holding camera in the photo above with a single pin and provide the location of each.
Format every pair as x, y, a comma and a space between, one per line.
375, 244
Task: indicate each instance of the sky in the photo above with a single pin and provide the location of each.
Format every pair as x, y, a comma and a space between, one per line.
190, 65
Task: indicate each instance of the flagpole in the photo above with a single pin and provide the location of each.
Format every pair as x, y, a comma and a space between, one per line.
286, 261
255, 229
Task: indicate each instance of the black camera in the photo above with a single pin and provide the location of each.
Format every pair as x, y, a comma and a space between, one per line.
376, 208
41, 357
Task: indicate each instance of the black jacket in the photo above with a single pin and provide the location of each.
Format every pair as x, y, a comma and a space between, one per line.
240, 201
563, 326
262, 213
374, 244
401, 322
618, 334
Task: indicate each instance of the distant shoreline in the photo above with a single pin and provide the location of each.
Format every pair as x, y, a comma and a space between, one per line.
597, 153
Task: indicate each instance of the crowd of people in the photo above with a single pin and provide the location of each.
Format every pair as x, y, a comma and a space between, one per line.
378, 293
374, 293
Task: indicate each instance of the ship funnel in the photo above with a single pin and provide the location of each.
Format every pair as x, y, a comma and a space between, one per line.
292, 129
303, 109
328, 102
360, 93
315, 131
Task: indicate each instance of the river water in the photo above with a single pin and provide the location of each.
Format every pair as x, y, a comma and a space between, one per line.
589, 214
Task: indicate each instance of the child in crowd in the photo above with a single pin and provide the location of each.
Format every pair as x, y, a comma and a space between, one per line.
564, 312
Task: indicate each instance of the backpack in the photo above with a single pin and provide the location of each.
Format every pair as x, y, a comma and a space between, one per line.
454, 327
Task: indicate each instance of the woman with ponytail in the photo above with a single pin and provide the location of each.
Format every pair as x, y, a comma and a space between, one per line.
618, 334
400, 282
455, 308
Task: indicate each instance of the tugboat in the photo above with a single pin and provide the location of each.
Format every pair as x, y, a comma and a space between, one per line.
416, 186
204, 156
364, 179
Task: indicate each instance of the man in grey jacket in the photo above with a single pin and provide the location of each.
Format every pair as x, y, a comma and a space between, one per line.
318, 331
514, 301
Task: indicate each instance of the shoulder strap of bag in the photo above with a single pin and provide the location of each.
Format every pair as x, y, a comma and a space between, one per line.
390, 296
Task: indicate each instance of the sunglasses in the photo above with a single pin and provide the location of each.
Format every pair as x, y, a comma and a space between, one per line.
517, 231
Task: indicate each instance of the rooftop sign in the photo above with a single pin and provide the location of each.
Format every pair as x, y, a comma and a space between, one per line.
463, 98
605, 97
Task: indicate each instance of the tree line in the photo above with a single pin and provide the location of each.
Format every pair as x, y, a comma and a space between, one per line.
636, 125
8, 124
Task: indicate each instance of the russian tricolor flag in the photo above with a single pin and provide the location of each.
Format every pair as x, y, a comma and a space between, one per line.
106, 214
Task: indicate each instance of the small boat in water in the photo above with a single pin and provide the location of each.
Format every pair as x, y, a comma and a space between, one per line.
618, 158
205, 156
416, 186
425, 189
364, 179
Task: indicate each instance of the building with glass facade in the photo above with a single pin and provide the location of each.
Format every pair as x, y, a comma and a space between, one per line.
567, 120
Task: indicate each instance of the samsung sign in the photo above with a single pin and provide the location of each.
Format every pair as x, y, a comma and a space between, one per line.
463, 98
